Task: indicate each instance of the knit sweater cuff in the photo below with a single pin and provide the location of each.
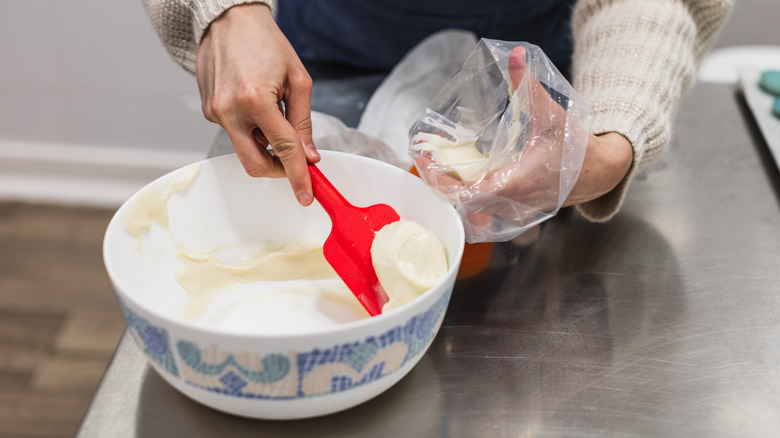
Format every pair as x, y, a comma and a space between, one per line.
633, 62
204, 12
615, 116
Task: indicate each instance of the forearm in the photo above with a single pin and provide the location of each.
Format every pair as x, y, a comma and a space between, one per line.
181, 24
633, 62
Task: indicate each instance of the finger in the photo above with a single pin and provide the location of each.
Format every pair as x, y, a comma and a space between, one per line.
253, 153
298, 113
286, 145
515, 192
260, 137
517, 66
438, 177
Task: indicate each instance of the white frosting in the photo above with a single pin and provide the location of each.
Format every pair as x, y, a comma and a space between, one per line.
203, 273
282, 289
296, 269
462, 157
281, 307
408, 260
151, 205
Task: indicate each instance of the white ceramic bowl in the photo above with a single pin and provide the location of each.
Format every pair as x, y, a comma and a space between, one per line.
267, 375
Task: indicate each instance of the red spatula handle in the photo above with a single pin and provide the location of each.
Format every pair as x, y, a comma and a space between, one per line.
330, 198
348, 247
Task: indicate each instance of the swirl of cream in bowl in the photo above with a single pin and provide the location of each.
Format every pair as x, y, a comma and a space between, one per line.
408, 260
293, 278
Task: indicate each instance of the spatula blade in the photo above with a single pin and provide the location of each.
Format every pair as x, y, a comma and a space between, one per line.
348, 247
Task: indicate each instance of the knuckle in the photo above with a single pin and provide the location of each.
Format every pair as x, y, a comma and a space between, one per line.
255, 170
254, 95
218, 107
284, 149
301, 79
247, 95
304, 127
205, 107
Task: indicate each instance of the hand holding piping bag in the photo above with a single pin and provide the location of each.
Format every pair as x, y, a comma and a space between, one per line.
533, 180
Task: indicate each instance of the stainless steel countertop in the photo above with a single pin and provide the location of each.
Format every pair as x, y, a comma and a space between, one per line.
664, 321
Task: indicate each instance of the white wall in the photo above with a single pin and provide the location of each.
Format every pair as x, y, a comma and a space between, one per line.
92, 107
87, 82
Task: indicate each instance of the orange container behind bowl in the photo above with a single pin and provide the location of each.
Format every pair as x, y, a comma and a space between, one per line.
476, 256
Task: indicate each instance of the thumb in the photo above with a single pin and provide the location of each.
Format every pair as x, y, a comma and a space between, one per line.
517, 66
542, 103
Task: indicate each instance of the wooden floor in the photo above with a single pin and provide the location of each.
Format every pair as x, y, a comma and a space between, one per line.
59, 319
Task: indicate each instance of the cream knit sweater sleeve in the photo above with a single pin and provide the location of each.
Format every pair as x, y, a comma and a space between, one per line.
633, 62
181, 24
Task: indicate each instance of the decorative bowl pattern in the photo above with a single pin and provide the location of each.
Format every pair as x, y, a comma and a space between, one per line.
288, 375
280, 376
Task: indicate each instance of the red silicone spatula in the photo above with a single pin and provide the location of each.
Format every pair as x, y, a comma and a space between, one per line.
348, 247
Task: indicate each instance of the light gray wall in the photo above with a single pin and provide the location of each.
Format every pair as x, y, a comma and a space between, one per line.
93, 73
752, 22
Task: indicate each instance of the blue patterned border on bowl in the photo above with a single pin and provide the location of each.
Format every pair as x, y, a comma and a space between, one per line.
286, 376
289, 375
153, 340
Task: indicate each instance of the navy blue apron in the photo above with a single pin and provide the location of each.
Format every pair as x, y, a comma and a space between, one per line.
373, 35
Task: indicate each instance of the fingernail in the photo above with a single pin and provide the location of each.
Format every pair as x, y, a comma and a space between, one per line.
304, 198
517, 60
312, 150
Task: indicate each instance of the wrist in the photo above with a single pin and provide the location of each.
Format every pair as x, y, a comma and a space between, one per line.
242, 14
608, 158
206, 14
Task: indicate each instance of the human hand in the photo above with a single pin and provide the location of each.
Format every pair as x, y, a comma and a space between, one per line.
253, 84
533, 181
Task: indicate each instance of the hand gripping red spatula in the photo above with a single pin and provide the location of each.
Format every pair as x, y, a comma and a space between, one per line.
348, 247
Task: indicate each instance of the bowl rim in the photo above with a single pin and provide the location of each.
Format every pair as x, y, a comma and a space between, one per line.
337, 329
